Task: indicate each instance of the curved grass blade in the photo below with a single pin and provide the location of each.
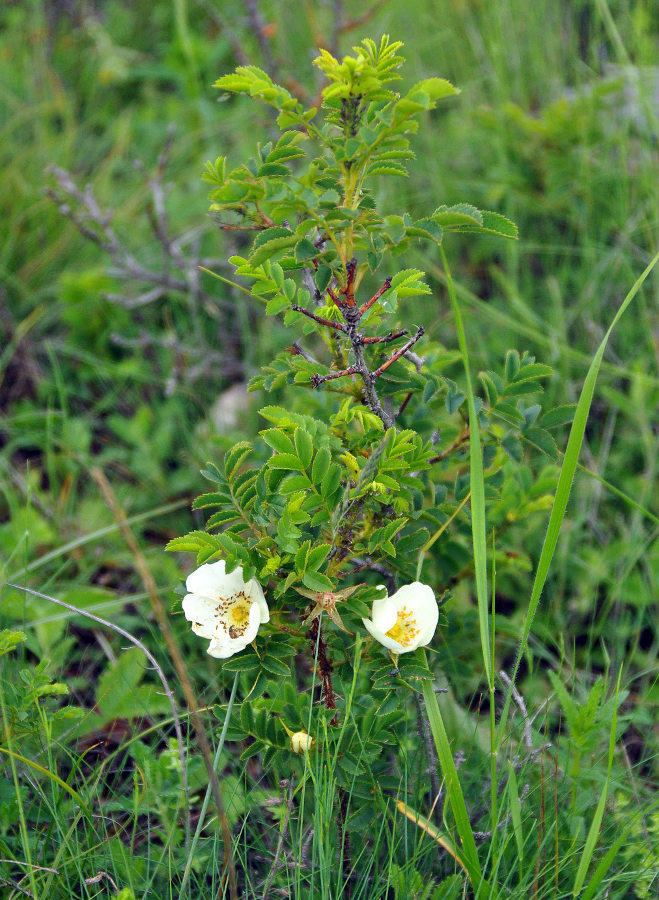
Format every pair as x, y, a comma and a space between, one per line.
565, 479
455, 796
44, 771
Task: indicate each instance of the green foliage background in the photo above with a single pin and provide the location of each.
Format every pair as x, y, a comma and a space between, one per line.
556, 128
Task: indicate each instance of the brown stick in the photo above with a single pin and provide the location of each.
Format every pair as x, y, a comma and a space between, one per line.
462, 438
317, 380
319, 319
376, 296
400, 352
385, 338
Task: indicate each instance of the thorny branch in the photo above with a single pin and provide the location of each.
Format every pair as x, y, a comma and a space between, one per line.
518, 762
352, 314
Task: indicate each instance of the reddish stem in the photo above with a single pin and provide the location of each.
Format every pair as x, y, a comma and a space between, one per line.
317, 380
399, 352
385, 339
319, 319
376, 296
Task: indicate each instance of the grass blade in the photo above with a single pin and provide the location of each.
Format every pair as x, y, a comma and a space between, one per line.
594, 831
455, 796
44, 771
477, 485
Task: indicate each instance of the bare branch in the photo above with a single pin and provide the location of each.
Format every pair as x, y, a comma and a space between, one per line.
282, 837
397, 355
156, 666
319, 319
519, 700
259, 28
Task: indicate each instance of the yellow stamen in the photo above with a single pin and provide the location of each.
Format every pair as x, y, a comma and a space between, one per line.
233, 613
405, 630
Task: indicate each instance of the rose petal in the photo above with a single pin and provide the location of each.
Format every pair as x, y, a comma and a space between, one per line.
201, 610
205, 580
257, 595
384, 639
384, 613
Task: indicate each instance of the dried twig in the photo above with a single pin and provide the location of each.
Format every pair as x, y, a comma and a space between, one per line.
519, 700
352, 314
259, 29
156, 666
423, 727
156, 604
461, 439
178, 273
282, 837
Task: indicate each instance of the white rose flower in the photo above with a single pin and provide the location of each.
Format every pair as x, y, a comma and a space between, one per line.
406, 620
224, 608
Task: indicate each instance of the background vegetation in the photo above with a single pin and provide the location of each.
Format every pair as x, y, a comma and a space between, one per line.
123, 359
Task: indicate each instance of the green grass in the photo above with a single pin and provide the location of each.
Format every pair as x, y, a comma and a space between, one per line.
532, 136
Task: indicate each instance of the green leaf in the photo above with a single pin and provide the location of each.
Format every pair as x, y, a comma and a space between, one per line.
235, 457
435, 88
215, 498
222, 517
561, 415
542, 439
301, 556
387, 168
258, 746
454, 398
270, 169
9, 640
212, 473
289, 289
194, 542
247, 661
295, 483
413, 670
512, 364
533, 370
272, 246
286, 461
303, 446
304, 250
408, 283
331, 481
278, 440
490, 388
317, 582
462, 214
322, 278
317, 556
277, 304
321, 464
275, 666
494, 223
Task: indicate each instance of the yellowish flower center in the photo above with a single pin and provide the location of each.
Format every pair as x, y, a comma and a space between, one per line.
405, 630
233, 613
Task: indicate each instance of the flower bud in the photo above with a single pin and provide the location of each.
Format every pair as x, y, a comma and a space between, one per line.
301, 742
